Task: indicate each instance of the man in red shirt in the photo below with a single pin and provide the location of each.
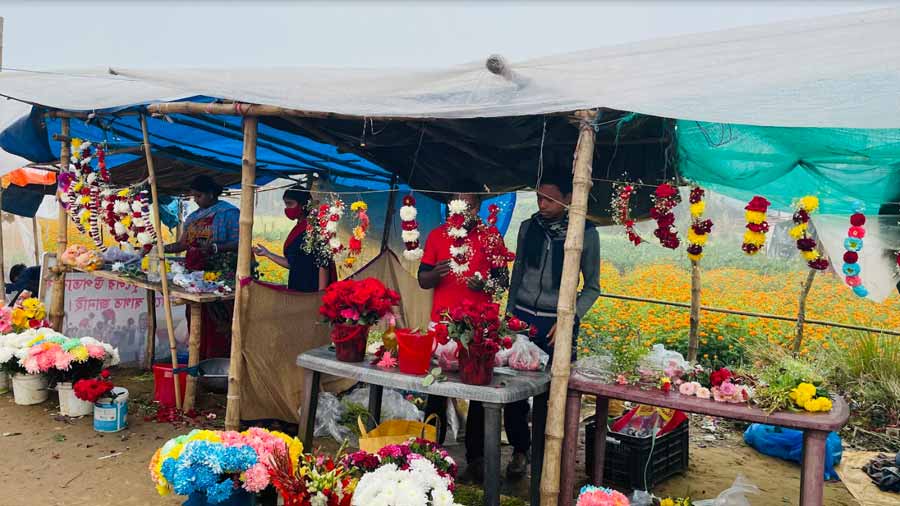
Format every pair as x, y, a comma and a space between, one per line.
450, 289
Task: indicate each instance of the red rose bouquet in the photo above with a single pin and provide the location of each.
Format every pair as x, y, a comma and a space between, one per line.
352, 302
92, 389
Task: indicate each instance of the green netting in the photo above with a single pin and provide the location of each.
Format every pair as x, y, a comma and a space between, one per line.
841, 166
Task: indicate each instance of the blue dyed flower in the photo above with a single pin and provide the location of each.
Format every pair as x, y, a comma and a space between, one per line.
71, 343
851, 269
853, 244
238, 458
219, 492
860, 290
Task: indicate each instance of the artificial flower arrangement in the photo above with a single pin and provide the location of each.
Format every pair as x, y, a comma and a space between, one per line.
66, 359
218, 464
800, 232
410, 229
665, 198
81, 257
26, 314
621, 214
600, 496
389, 485
14, 347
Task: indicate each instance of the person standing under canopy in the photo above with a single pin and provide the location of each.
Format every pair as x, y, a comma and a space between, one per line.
24, 278
304, 272
210, 241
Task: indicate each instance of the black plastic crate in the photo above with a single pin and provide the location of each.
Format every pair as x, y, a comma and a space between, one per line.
626, 456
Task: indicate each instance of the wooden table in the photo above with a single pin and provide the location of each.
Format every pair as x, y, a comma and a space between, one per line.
505, 389
180, 296
815, 427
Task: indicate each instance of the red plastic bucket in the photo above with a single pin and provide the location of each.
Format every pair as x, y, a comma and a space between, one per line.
164, 385
414, 350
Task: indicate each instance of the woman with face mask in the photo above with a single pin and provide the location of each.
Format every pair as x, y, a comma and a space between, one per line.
304, 273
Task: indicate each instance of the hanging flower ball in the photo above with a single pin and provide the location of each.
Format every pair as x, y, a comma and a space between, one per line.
853, 281
851, 257
860, 290
857, 232
809, 203
858, 219
850, 269
853, 244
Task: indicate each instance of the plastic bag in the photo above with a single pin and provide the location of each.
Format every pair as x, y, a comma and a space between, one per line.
501, 359
787, 444
331, 410
328, 414
641, 498
598, 367
447, 359
526, 356
736, 495
114, 254
669, 362
393, 405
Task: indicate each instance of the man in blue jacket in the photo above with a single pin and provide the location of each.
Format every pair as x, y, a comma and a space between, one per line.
24, 278
534, 291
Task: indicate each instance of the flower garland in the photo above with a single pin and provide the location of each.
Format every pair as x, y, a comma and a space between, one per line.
757, 226
459, 248
854, 244
665, 198
329, 219
141, 226
800, 232
620, 204
498, 255
117, 213
700, 228
354, 245
410, 229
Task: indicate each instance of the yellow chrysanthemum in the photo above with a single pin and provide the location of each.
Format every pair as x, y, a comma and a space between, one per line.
359, 233
359, 205
809, 256
205, 435
809, 203
124, 193
210, 276
695, 258
698, 208
819, 404
126, 221
32, 304
695, 238
756, 217
754, 238
79, 353
667, 502
798, 231
163, 490
19, 318
295, 446
76, 144
78, 186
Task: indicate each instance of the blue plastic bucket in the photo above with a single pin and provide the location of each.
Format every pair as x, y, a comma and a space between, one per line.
111, 415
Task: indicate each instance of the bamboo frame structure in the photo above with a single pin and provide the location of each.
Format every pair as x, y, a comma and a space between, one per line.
36, 232
565, 309
801, 309
194, 334
58, 303
164, 278
245, 241
694, 335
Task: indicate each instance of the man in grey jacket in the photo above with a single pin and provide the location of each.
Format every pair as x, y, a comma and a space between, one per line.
534, 291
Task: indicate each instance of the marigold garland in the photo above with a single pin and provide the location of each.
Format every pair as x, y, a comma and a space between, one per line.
355, 243
757, 226
665, 198
853, 244
410, 229
700, 228
621, 202
800, 232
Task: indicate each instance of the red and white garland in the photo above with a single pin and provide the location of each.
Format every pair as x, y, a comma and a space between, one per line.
410, 229
141, 226
329, 219
664, 200
621, 204
460, 252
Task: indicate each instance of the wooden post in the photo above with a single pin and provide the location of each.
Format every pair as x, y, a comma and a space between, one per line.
694, 335
190, 390
389, 214
801, 310
565, 309
58, 303
245, 240
36, 231
160, 246
151, 330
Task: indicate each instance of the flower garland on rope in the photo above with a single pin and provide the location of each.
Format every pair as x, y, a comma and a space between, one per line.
409, 229
700, 228
854, 244
354, 245
499, 256
327, 243
117, 213
757, 226
665, 198
800, 232
621, 204
459, 247
141, 226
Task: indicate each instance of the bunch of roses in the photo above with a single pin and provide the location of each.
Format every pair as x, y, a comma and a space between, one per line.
757, 226
478, 328
357, 302
800, 232
665, 198
700, 228
92, 389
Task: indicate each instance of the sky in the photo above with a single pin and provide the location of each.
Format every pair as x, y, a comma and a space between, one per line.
54, 35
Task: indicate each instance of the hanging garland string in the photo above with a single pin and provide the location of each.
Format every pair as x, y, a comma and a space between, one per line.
355, 243
757, 226
800, 232
460, 252
410, 229
853, 244
665, 198
621, 214
700, 228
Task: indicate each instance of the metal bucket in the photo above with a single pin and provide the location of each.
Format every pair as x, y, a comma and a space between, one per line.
213, 375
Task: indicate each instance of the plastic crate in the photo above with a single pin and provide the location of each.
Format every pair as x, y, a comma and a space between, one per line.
626, 456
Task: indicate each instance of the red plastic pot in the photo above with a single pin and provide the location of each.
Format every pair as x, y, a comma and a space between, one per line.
477, 368
414, 350
349, 341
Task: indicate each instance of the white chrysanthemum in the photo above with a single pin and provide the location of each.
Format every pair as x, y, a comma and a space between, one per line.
144, 238
335, 243
457, 233
331, 227
459, 250
136, 206
457, 206
92, 177
119, 228
413, 254
458, 268
409, 235
121, 207
408, 213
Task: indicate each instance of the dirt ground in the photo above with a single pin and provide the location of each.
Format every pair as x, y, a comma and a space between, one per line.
53, 461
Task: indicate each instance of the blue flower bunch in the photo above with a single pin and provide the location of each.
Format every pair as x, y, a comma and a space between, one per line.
206, 467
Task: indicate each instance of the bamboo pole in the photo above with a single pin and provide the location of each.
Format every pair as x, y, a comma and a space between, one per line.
164, 278
245, 240
389, 214
694, 335
196, 328
801, 309
565, 310
58, 302
151, 331
36, 232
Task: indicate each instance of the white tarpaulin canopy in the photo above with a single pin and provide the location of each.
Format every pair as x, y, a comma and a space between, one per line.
840, 71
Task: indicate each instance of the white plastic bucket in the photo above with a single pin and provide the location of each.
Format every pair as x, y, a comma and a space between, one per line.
69, 405
4, 382
111, 415
29, 389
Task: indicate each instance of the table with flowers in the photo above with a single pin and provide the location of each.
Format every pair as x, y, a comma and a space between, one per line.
815, 426
504, 389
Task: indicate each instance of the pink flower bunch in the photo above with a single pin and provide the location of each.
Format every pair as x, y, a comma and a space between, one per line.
265, 444
6, 325
730, 392
43, 357
692, 388
599, 496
